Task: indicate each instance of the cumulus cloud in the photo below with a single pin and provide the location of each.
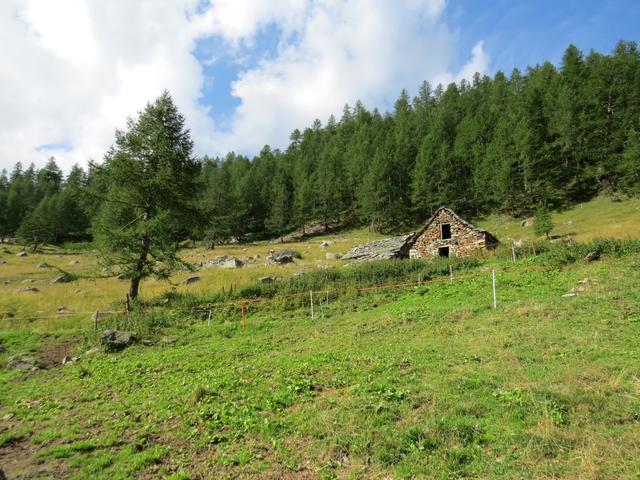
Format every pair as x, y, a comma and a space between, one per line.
73, 70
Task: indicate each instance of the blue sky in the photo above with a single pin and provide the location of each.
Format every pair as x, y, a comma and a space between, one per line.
246, 73
515, 34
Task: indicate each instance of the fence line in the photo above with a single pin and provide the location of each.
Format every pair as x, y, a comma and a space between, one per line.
242, 303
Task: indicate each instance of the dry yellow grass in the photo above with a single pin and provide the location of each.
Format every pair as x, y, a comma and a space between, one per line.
86, 295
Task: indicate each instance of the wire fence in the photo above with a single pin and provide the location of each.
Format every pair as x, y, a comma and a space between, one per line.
241, 304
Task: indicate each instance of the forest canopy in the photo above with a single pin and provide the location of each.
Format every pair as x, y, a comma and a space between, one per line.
544, 138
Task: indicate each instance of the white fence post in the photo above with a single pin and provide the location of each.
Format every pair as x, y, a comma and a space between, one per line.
311, 295
495, 300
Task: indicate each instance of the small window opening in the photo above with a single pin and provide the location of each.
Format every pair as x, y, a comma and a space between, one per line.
443, 251
446, 231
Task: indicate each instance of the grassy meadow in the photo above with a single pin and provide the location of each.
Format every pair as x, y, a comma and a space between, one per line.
425, 381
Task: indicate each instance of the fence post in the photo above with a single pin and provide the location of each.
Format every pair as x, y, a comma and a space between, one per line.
311, 295
450, 273
209, 319
244, 322
493, 278
513, 252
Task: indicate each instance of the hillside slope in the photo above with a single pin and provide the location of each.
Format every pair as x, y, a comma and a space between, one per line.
427, 382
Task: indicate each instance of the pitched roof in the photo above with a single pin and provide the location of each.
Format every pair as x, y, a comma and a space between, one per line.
454, 215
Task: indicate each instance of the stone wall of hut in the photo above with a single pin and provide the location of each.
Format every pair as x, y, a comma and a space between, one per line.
464, 240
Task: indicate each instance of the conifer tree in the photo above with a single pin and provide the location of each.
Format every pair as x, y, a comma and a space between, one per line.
151, 178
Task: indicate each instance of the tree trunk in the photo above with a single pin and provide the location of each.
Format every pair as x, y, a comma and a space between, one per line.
142, 261
133, 288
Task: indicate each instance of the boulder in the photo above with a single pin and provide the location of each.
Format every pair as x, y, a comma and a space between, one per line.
282, 257
190, 280
114, 340
24, 362
22, 254
267, 279
68, 359
74, 262
527, 223
168, 340
64, 278
332, 256
224, 261
395, 247
325, 244
63, 310
592, 256
30, 289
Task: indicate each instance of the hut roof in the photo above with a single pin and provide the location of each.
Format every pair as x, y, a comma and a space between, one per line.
457, 217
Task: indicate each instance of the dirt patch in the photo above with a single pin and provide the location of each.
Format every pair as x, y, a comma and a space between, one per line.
53, 350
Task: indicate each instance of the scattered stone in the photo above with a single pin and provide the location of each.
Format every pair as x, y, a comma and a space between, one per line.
267, 279
527, 223
114, 340
68, 359
325, 244
394, 247
147, 343
62, 310
43, 265
282, 257
24, 362
74, 262
570, 294
28, 280
30, 289
224, 261
77, 291
332, 256
22, 254
592, 256
190, 280
168, 340
93, 351
569, 222
64, 278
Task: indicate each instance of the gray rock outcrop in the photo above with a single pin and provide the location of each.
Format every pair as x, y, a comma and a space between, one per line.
394, 247
114, 340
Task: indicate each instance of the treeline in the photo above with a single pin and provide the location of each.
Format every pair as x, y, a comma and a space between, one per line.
547, 137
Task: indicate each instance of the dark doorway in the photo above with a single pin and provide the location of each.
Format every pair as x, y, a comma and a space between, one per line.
443, 251
445, 229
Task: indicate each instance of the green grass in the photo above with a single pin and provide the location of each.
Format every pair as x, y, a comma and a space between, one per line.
426, 382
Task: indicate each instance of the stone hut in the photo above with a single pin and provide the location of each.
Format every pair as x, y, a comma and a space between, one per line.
446, 234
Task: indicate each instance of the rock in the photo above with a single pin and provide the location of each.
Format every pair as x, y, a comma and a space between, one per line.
43, 265
74, 262
267, 279
22, 254
332, 256
28, 280
592, 256
569, 222
570, 294
527, 223
62, 310
147, 343
30, 289
395, 247
282, 257
68, 359
325, 244
190, 280
224, 261
168, 340
114, 340
93, 351
24, 362
64, 278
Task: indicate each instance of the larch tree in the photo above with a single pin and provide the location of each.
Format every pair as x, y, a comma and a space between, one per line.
151, 177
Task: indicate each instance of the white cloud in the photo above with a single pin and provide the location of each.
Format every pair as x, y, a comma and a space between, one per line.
73, 70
